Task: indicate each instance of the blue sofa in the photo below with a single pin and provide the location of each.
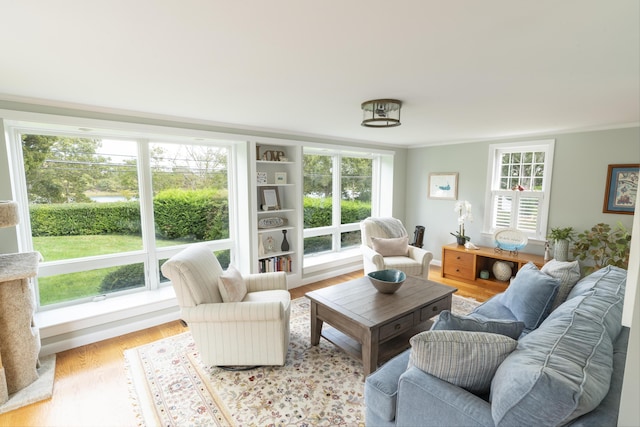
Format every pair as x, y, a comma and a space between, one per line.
566, 366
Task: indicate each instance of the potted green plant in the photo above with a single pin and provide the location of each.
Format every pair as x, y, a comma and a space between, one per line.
561, 238
602, 246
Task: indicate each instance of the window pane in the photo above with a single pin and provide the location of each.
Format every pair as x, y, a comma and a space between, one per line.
350, 239
315, 245
83, 196
356, 181
318, 190
91, 283
190, 196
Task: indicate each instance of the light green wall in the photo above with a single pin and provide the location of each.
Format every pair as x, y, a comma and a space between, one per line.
577, 189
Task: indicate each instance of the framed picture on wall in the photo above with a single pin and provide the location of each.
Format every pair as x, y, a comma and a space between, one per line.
622, 189
443, 185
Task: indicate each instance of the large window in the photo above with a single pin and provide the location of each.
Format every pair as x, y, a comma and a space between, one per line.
518, 188
337, 196
106, 211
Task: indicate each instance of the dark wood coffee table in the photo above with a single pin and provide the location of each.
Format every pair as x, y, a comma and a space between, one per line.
373, 326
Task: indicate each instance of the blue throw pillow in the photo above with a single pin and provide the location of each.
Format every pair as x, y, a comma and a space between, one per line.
449, 321
530, 296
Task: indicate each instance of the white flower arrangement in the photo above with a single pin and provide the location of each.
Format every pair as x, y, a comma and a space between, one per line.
463, 209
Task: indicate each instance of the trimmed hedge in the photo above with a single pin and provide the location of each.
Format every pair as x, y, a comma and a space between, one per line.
178, 215
81, 219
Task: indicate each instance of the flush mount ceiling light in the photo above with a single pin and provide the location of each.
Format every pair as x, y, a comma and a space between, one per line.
381, 113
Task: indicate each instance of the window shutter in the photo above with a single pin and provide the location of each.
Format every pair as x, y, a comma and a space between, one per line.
503, 205
528, 218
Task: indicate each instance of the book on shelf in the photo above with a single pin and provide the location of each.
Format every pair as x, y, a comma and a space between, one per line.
276, 263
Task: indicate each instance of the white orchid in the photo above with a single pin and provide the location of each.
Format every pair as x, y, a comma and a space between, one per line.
463, 209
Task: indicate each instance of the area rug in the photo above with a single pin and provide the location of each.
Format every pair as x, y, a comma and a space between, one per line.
319, 385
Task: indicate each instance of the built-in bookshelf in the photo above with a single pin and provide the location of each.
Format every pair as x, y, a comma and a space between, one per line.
277, 206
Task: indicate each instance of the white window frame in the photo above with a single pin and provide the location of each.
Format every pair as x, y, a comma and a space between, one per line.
336, 228
493, 186
149, 255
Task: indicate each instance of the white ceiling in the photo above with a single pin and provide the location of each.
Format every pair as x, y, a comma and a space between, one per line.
464, 69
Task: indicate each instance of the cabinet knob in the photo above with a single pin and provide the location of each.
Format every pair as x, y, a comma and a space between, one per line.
458, 257
397, 326
457, 270
435, 308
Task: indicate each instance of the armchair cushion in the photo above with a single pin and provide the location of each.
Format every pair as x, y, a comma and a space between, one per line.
231, 285
397, 246
466, 359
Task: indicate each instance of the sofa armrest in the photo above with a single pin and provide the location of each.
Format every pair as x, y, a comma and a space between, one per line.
429, 401
381, 388
251, 311
372, 260
266, 281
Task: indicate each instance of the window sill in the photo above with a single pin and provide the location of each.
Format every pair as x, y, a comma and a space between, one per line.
99, 314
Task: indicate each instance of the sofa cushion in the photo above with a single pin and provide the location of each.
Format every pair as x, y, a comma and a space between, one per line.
561, 370
232, 286
466, 359
397, 246
609, 278
449, 321
530, 296
568, 273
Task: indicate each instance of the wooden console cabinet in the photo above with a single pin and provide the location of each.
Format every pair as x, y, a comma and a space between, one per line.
465, 265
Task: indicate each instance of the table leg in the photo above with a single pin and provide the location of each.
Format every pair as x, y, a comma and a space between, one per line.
316, 324
370, 351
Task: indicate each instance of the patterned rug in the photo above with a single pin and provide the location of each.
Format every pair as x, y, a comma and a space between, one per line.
320, 385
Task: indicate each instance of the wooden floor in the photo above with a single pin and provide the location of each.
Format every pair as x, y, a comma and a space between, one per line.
91, 388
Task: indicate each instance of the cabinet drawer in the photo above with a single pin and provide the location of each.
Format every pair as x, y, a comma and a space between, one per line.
458, 264
435, 308
396, 327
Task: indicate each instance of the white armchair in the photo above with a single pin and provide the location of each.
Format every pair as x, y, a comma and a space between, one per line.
253, 331
415, 262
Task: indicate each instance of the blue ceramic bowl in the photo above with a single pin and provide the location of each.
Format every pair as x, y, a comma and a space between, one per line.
387, 281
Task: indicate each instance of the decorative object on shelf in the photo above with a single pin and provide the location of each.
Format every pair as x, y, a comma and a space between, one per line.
443, 185
257, 152
284, 159
281, 177
381, 113
262, 177
260, 245
547, 252
284, 247
270, 197
622, 189
269, 244
502, 270
470, 245
463, 208
561, 238
387, 281
272, 222
602, 246
272, 155
484, 274
510, 239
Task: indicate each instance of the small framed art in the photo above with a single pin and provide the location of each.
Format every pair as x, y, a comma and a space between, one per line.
262, 177
281, 177
622, 189
443, 185
270, 198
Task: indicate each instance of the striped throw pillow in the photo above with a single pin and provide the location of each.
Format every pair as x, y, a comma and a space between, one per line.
465, 359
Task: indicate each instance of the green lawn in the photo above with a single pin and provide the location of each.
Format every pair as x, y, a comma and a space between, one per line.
66, 287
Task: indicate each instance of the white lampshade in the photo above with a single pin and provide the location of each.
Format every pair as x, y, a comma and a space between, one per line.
8, 213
